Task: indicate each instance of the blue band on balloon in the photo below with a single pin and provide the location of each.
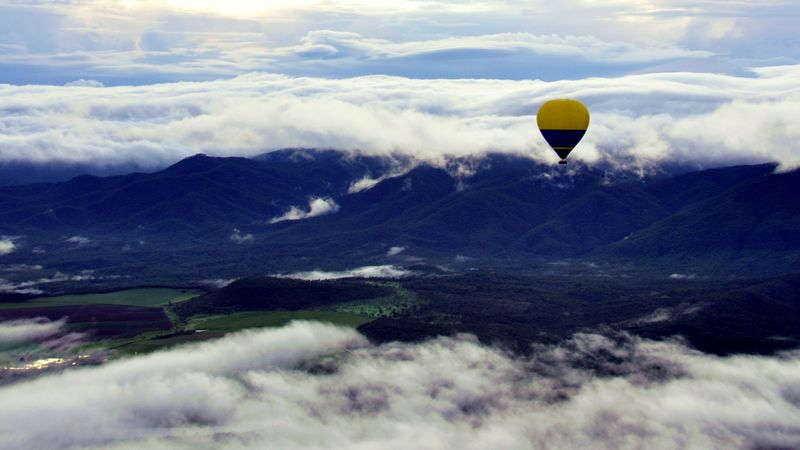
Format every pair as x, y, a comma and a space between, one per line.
563, 138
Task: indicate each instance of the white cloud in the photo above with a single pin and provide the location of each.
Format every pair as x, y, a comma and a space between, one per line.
217, 283
20, 267
84, 83
268, 389
399, 167
239, 238
364, 184
316, 207
396, 250
683, 276
638, 121
33, 286
7, 245
385, 271
19, 288
145, 41
20, 331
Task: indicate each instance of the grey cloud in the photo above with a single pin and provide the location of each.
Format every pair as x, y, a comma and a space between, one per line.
316, 386
338, 43
502, 55
155, 41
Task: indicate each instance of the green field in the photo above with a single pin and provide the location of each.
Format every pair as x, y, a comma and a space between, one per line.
203, 328
152, 297
256, 319
199, 328
146, 344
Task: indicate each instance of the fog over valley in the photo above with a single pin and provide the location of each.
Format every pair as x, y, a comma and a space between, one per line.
618, 391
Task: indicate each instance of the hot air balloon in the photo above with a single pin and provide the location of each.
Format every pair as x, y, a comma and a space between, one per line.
563, 122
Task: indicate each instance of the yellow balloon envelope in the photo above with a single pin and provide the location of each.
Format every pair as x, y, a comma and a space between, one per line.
563, 122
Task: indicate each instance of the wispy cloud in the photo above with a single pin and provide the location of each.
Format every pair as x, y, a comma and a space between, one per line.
79, 241
217, 283
34, 286
316, 207
20, 267
240, 238
386, 271
449, 392
396, 250
683, 276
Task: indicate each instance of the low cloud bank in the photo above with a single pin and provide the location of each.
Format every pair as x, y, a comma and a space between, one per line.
310, 385
316, 207
33, 346
638, 121
20, 331
386, 271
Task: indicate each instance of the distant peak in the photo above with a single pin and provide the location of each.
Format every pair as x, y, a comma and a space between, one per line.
196, 163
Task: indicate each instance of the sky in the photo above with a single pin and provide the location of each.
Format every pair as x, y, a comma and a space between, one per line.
146, 83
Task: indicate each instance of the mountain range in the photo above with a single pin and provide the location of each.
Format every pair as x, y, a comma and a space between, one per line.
310, 209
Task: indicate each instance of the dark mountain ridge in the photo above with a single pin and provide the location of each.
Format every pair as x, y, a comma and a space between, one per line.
499, 210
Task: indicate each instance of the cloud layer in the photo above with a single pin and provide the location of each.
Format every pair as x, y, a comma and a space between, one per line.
316, 386
638, 121
145, 41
